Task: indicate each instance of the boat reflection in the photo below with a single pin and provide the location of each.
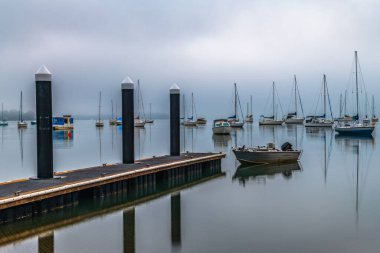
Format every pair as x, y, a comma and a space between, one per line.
262, 172
350, 141
221, 142
63, 139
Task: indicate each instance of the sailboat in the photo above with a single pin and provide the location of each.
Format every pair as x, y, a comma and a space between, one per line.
112, 120
234, 120
21, 123
293, 117
271, 120
99, 122
3, 122
150, 120
118, 120
375, 119
343, 107
249, 118
356, 127
199, 120
189, 121
321, 121
138, 121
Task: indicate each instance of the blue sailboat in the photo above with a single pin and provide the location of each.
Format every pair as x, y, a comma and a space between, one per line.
356, 127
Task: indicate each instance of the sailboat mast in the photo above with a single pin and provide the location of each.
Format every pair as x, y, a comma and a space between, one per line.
373, 106
274, 117
356, 81
100, 102
235, 101
340, 106
21, 107
295, 94
116, 110
345, 102
192, 106
251, 105
111, 109
138, 98
184, 108
2, 112
150, 110
324, 95
247, 109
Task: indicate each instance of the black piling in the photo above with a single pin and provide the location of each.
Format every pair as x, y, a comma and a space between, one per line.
174, 120
44, 123
127, 88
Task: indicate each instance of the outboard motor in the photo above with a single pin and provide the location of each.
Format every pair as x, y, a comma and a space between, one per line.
286, 146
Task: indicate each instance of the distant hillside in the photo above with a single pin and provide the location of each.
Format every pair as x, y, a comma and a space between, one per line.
13, 115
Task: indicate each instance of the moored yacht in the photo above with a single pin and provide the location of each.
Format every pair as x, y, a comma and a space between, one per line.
271, 120
221, 126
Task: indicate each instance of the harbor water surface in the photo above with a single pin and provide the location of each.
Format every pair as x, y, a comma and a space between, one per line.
329, 202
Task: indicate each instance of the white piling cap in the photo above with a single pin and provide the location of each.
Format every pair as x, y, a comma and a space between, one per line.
43, 74
175, 89
127, 83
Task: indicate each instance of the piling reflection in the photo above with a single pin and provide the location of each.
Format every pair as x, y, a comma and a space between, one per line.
46, 242
138, 190
129, 230
176, 218
21, 141
262, 172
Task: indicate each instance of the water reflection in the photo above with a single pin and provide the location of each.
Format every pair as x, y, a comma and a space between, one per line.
175, 208
63, 139
222, 143
141, 190
21, 142
129, 230
46, 242
262, 172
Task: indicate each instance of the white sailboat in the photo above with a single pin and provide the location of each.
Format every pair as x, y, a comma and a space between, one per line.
234, 120
321, 121
294, 117
21, 123
150, 120
138, 121
271, 120
356, 128
189, 121
112, 120
3, 122
99, 122
249, 117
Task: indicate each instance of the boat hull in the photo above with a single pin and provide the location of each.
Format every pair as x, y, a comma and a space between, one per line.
271, 122
22, 124
189, 123
57, 128
3, 123
237, 124
221, 130
251, 157
355, 130
139, 124
149, 121
326, 124
295, 121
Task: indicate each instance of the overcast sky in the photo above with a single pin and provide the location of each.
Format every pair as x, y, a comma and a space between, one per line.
202, 45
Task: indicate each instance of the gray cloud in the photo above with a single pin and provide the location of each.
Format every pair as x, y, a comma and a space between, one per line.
204, 46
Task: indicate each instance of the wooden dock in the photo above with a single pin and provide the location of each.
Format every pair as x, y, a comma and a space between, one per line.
29, 197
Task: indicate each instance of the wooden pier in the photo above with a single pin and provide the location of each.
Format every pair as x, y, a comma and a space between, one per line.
29, 197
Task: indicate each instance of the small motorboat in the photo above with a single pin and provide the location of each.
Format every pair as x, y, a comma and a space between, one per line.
221, 126
267, 154
66, 122
201, 121
33, 122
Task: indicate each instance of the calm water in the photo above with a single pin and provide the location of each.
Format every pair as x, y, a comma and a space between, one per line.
327, 203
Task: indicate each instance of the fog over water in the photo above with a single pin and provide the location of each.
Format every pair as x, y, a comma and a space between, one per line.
203, 45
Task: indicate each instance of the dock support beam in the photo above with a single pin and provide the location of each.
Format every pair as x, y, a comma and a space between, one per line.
174, 120
44, 123
127, 90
